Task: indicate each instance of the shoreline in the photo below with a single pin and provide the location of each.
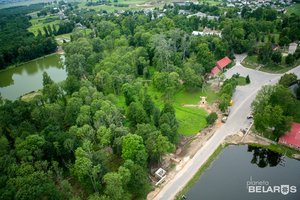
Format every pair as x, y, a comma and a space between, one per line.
59, 52
237, 139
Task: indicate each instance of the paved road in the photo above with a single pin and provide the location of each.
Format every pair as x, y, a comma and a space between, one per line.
237, 119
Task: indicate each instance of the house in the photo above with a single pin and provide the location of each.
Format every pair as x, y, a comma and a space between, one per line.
80, 26
214, 71
292, 48
291, 138
184, 12
181, 3
203, 15
221, 64
207, 31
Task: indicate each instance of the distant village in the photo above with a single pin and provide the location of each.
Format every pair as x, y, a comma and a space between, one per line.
183, 9
279, 5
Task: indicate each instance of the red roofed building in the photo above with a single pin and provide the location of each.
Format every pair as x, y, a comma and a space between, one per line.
214, 71
292, 138
220, 65
223, 62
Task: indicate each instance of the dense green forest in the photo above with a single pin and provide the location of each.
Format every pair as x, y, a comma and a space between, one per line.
17, 44
97, 134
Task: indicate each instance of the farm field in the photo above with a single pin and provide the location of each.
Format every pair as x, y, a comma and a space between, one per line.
39, 23
294, 9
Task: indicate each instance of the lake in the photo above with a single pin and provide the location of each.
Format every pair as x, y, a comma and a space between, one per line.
27, 77
229, 174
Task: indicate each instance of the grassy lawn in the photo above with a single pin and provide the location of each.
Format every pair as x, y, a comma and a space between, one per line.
211, 2
39, 23
251, 62
190, 120
112, 8
132, 2
241, 81
294, 9
59, 38
67, 36
193, 97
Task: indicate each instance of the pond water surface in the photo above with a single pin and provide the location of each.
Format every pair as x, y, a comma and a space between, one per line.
28, 77
229, 174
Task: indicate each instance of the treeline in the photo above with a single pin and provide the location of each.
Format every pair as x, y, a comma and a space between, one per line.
205, 8
18, 10
258, 27
63, 27
18, 44
279, 101
97, 134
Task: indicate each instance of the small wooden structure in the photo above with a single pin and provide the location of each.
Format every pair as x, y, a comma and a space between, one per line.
203, 100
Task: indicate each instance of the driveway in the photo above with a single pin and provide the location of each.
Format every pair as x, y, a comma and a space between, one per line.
237, 119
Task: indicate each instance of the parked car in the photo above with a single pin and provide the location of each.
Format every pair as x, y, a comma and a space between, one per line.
250, 116
224, 119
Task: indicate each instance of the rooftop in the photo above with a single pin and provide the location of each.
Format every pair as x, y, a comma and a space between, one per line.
292, 138
223, 62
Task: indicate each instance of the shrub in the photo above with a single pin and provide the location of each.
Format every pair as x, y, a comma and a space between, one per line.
287, 79
248, 79
289, 59
211, 118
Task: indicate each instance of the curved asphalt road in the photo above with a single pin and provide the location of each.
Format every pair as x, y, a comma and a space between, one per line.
237, 119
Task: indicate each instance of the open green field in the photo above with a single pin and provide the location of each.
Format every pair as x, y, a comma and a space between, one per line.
294, 9
67, 36
211, 2
191, 120
23, 3
28, 2
39, 23
251, 62
132, 6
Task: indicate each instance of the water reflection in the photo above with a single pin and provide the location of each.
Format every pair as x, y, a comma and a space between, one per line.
264, 157
227, 176
28, 77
